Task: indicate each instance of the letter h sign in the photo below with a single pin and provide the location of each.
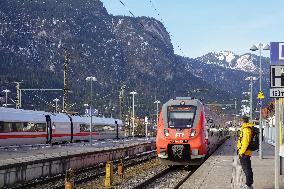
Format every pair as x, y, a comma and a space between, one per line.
277, 76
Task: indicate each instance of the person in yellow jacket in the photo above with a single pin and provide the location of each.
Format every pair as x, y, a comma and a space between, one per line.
244, 153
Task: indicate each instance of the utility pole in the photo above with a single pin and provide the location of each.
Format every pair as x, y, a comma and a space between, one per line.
235, 121
6, 91
133, 93
19, 95
91, 79
157, 111
121, 101
251, 80
66, 84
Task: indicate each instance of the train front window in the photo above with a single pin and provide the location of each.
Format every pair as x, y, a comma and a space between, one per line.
181, 117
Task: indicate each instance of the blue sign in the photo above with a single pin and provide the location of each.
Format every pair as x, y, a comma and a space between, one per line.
277, 53
95, 112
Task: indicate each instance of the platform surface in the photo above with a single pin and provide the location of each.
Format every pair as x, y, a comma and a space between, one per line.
15, 155
220, 171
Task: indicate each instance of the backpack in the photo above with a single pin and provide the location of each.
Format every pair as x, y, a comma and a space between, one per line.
254, 143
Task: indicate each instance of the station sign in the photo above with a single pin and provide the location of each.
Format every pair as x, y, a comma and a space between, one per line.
277, 76
277, 53
277, 70
277, 93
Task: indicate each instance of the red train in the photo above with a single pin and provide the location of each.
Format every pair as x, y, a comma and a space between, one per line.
187, 132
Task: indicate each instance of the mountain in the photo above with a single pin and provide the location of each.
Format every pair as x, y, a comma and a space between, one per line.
226, 70
118, 50
247, 62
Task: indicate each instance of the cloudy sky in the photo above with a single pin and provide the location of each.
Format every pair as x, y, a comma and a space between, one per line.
201, 26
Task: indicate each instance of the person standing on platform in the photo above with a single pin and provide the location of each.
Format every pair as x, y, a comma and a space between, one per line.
243, 151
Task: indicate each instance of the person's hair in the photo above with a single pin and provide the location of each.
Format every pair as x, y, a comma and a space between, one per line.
245, 119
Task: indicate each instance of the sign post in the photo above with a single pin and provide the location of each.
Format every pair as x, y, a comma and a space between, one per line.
146, 129
277, 136
277, 91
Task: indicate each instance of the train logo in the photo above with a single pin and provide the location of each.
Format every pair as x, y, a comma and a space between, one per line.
179, 135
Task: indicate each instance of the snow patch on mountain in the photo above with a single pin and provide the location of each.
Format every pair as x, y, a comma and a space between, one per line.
245, 63
227, 59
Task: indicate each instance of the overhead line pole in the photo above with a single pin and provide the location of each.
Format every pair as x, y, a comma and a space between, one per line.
66, 84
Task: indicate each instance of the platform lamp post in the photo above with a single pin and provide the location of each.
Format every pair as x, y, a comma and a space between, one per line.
157, 111
121, 97
251, 79
91, 79
260, 47
6, 91
133, 93
56, 103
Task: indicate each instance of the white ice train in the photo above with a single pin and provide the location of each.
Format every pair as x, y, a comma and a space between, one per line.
20, 127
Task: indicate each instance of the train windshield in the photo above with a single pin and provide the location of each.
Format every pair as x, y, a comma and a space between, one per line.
181, 116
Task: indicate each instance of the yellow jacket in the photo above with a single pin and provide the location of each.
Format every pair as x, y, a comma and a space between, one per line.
245, 138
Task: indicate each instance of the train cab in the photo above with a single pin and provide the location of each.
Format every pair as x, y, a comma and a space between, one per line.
181, 133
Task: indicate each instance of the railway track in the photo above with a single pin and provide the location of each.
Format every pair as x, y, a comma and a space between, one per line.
172, 178
84, 175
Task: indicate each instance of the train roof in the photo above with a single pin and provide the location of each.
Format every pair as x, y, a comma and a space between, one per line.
183, 101
96, 120
10, 114
20, 115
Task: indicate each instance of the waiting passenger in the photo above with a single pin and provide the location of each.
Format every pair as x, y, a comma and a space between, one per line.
244, 153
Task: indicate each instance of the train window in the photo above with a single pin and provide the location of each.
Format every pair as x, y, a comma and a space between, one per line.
41, 127
98, 128
6, 127
29, 127
3, 127
17, 127
84, 128
181, 117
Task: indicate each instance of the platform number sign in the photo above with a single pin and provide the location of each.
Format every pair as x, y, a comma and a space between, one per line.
277, 76
277, 69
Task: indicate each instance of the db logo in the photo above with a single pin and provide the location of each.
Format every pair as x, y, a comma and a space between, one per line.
179, 135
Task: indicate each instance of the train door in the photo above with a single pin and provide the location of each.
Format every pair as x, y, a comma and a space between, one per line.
72, 128
48, 129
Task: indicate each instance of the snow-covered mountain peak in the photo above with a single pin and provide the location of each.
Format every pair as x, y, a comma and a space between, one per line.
227, 59
245, 63
228, 56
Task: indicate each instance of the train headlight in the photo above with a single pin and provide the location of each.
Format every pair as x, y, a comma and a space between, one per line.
192, 132
166, 132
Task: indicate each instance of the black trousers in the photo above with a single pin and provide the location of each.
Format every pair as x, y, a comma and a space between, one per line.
246, 166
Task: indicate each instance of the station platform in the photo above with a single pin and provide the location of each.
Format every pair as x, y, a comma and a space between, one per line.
18, 165
221, 170
12, 155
